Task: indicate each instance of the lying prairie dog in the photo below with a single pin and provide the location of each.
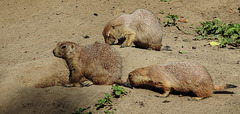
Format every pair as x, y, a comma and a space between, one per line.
181, 77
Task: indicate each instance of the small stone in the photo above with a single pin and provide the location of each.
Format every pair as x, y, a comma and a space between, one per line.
166, 101
95, 14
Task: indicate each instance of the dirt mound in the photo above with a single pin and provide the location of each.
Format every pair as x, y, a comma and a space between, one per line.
39, 73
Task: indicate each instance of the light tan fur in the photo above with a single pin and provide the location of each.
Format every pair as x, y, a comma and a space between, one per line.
141, 28
181, 77
97, 63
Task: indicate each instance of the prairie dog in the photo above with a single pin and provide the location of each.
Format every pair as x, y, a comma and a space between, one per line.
92, 64
182, 77
141, 28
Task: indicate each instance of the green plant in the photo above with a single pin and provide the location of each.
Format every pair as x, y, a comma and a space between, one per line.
81, 111
117, 91
171, 20
108, 112
161, 12
226, 34
104, 102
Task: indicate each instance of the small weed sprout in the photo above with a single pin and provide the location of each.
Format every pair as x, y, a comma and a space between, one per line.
171, 20
161, 12
106, 101
117, 91
108, 112
81, 111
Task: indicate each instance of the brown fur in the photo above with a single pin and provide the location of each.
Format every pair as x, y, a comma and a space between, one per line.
141, 28
97, 63
182, 77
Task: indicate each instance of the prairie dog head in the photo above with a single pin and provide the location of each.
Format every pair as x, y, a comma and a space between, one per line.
138, 77
113, 30
109, 34
65, 50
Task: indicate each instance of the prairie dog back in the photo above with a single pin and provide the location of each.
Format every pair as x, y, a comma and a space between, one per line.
186, 73
144, 20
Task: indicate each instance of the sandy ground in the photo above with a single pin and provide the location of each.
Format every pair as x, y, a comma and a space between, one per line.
30, 29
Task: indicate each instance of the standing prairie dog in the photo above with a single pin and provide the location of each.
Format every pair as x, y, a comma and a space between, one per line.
181, 77
141, 28
92, 64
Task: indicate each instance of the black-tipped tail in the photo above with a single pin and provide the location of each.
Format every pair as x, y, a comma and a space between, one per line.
230, 86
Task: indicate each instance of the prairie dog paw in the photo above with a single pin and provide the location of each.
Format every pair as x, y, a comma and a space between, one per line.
86, 83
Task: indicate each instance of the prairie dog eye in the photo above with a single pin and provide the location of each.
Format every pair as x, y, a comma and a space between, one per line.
129, 75
63, 47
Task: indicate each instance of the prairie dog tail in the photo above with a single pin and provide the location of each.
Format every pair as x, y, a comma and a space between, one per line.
221, 87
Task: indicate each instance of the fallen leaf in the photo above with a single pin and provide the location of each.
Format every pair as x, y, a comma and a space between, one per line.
214, 43
182, 52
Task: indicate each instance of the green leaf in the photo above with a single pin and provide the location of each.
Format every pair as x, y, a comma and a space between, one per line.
114, 87
99, 100
217, 19
108, 95
167, 22
99, 105
168, 16
118, 92
230, 40
229, 31
124, 91
234, 36
108, 101
108, 112
219, 30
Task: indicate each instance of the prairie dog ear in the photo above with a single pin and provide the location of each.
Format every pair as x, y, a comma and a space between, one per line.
70, 50
72, 46
116, 25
